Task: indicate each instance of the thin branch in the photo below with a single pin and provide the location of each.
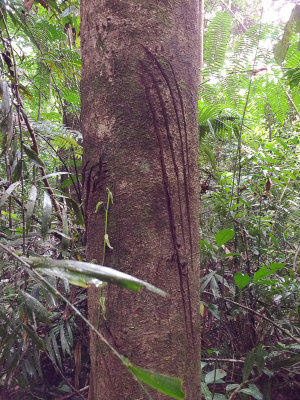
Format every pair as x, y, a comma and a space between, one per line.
234, 15
66, 380
243, 384
285, 331
229, 360
295, 266
292, 103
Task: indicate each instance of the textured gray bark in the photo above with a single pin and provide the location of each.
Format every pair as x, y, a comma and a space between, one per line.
139, 121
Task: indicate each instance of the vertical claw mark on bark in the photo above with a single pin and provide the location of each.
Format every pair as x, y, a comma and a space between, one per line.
165, 76
185, 163
184, 151
86, 185
166, 185
186, 181
170, 141
187, 310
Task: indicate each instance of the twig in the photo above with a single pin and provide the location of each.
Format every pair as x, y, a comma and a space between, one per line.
244, 384
292, 103
66, 380
229, 360
286, 332
234, 15
68, 396
295, 266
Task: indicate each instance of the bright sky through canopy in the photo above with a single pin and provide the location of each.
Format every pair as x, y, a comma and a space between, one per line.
277, 11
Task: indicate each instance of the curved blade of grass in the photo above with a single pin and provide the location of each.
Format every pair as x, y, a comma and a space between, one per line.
7, 193
38, 308
47, 208
32, 155
30, 206
87, 274
165, 384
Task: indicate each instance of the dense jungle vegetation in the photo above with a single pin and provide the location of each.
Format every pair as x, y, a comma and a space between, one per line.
249, 142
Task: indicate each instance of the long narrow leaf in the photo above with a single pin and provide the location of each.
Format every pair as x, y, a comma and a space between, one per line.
89, 273
165, 384
30, 206
7, 193
34, 305
33, 156
47, 208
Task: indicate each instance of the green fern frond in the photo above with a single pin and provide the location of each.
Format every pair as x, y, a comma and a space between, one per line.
67, 143
293, 57
277, 99
216, 43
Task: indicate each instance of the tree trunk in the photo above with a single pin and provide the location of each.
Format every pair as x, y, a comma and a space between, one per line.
139, 119
201, 39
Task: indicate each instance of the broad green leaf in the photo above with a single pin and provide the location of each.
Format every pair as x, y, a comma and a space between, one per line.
253, 391
214, 309
249, 363
65, 347
275, 266
36, 357
206, 393
268, 372
241, 280
86, 274
214, 287
260, 357
38, 308
17, 171
206, 245
215, 376
165, 384
7, 193
232, 386
65, 228
49, 345
35, 337
77, 211
218, 396
63, 235
33, 156
267, 270
30, 206
224, 236
55, 347
262, 273
273, 238
47, 208
282, 142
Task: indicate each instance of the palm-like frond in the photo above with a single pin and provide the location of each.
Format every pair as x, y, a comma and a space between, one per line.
216, 43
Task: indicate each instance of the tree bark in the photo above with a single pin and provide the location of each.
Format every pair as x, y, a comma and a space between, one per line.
201, 39
139, 119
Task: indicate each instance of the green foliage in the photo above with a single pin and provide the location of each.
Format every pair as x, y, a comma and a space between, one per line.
165, 384
250, 186
249, 152
216, 42
85, 274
